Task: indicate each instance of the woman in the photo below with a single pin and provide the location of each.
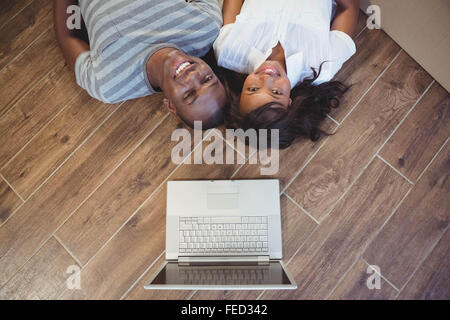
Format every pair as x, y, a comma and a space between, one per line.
290, 51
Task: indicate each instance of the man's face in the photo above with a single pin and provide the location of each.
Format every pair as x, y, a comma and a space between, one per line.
193, 91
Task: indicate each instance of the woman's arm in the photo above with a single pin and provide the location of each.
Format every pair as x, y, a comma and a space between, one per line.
346, 17
69, 40
231, 8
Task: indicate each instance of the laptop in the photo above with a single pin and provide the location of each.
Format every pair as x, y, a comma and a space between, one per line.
224, 235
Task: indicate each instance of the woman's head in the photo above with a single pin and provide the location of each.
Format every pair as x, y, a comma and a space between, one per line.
267, 102
269, 84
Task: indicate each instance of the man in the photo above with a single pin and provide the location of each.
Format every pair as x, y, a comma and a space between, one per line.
139, 47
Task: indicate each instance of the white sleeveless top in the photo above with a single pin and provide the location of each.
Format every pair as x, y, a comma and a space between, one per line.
301, 26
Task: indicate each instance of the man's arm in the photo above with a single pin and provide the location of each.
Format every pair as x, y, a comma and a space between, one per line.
346, 17
231, 8
69, 40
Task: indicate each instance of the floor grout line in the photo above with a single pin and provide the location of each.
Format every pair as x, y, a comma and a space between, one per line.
64, 107
359, 33
380, 274
12, 188
302, 245
260, 295
395, 169
301, 208
332, 119
421, 262
191, 295
372, 85
15, 15
141, 276
432, 159
68, 251
341, 279
25, 49
406, 116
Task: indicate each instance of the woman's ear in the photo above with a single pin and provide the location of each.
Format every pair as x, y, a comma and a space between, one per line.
290, 102
169, 105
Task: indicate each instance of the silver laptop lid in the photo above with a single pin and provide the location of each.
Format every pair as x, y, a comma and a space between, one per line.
229, 197
223, 199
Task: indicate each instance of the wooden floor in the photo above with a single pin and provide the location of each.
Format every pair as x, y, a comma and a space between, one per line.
84, 183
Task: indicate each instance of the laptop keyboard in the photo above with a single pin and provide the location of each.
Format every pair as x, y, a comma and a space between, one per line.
223, 235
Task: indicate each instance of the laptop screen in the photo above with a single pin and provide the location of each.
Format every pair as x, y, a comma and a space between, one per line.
235, 275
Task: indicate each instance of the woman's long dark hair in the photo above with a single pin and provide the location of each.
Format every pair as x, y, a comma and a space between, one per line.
310, 105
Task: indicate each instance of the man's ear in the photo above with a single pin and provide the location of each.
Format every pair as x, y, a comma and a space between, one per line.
290, 102
169, 105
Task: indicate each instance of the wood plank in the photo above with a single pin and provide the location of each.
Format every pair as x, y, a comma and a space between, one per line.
10, 8
296, 226
375, 50
419, 223
28, 229
35, 110
32, 165
23, 29
138, 244
32, 65
291, 160
323, 181
418, 139
354, 286
431, 280
9, 201
339, 240
121, 194
42, 277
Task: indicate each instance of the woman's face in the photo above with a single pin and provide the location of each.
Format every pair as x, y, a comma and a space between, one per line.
268, 84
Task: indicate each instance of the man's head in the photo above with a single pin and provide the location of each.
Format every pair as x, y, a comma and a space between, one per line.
192, 90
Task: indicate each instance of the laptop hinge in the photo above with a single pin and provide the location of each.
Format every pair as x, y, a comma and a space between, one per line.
224, 260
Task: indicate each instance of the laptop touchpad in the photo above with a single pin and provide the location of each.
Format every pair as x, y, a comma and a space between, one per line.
223, 201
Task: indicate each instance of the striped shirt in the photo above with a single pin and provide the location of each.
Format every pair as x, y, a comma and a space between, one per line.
124, 34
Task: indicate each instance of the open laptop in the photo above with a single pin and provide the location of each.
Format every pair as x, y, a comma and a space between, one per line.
223, 235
